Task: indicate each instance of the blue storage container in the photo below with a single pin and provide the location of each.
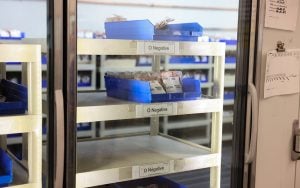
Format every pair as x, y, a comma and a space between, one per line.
132, 30
230, 59
84, 126
6, 171
16, 96
229, 41
140, 91
13, 38
179, 32
228, 95
182, 29
160, 181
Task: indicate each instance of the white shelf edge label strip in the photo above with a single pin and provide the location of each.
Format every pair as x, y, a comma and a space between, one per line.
157, 47
156, 109
152, 169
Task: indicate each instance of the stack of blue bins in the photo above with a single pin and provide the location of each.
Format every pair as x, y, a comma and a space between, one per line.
133, 30
179, 32
6, 172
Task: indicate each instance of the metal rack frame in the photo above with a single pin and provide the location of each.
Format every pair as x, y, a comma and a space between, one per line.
113, 109
30, 123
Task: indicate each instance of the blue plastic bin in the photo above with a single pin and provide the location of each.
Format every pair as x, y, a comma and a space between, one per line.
229, 41
230, 59
16, 96
6, 171
13, 38
84, 126
182, 29
160, 181
228, 95
179, 32
140, 91
132, 30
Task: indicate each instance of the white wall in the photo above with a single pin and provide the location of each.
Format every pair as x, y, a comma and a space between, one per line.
30, 16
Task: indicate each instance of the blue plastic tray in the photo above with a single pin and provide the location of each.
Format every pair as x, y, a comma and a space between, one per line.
229, 41
134, 30
230, 59
6, 172
139, 91
228, 95
84, 126
14, 38
160, 181
17, 98
182, 29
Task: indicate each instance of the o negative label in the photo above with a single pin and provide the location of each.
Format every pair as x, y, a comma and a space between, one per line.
154, 169
158, 109
159, 47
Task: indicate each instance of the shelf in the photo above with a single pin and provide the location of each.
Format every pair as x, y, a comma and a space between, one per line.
80, 67
130, 155
126, 130
97, 107
122, 69
133, 47
18, 124
86, 67
187, 124
187, 66
227, 119
230, 65
206, 85
229, 84
228, 102
88, 88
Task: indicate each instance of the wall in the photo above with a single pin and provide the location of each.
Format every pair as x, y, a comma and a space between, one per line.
30, 16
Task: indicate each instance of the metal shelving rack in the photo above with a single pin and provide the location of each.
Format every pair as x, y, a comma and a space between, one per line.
99, 163
27, 172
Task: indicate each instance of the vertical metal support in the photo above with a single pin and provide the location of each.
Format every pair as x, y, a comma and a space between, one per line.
54, 76
154, 121
217, 120
33, 75
24, 81
70, 91
3, 141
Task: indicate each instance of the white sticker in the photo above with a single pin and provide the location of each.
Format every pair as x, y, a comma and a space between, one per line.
154, 169
156, 109
160, 47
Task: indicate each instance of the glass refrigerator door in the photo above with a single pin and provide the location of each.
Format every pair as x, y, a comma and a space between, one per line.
155, 93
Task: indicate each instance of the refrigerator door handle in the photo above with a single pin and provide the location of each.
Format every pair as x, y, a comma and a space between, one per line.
250, 155
59, 113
